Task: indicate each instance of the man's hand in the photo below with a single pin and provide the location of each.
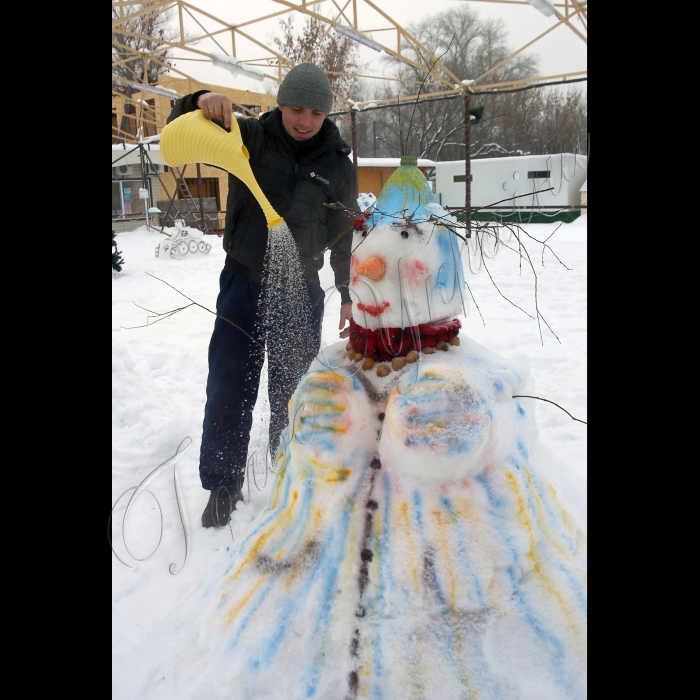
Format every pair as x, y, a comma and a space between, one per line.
214, 105
345, 315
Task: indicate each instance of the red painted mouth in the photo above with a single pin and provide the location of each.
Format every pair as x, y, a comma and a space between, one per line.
373, 310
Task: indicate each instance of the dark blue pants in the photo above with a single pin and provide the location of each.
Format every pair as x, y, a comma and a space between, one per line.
235, 363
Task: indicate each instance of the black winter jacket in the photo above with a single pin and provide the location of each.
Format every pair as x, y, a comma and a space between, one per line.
297, 191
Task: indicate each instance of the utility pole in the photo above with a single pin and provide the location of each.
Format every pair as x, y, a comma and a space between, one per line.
467, 168
353, 132
144, 167
124, 124
201, 203
144, 191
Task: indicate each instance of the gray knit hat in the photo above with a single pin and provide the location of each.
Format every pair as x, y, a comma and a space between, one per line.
306, 85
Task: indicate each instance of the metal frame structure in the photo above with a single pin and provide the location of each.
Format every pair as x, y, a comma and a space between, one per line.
361, 20
355, 18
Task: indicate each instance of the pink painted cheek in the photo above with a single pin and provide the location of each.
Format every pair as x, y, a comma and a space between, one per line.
353, 274
416, 272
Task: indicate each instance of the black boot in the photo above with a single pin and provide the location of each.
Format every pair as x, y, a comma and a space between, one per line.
217, 512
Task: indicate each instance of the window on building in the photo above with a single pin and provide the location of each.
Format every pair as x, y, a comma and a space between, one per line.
125, 198
462, 178
538, 174
210, 188
117, 205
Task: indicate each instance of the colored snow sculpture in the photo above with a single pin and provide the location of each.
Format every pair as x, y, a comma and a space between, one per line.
406, 268
412, 545
365, 200
182, 243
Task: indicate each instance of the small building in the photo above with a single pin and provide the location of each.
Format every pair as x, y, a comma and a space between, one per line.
534, 188
372, 173
137, 118
140, 166
584, 198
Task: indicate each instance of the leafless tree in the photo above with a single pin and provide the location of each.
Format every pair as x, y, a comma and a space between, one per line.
542, 120
152, 23
316, 42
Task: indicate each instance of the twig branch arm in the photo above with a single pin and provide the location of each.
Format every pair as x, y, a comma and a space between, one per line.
223, 318
524, 396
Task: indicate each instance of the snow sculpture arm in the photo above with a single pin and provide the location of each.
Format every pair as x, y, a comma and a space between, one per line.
438, 432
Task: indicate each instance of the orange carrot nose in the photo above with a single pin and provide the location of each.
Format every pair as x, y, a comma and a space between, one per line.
373, 268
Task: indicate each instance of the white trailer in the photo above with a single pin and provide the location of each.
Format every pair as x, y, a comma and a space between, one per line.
497, 179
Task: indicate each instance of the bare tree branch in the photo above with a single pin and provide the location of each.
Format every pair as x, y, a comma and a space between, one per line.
539, 398
168, 314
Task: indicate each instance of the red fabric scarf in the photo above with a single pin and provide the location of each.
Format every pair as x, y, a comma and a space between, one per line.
384, 343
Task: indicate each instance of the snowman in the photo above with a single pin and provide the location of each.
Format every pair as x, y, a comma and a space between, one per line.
412, 545
406, 275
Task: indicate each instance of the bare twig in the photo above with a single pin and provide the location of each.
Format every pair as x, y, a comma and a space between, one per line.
503, 295
544, 243
162, 315
500, 201
334, 241
480, 252
420, 89
471, 294
168, 314
390, 145
525, 396
539, 315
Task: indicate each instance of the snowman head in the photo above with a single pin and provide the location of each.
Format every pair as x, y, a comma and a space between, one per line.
406, 268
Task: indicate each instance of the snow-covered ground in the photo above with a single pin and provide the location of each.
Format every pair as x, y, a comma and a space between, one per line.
159, 376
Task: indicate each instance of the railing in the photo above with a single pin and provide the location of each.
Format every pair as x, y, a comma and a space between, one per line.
213, 221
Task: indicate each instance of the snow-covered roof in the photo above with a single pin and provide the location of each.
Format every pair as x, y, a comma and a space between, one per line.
521, 159
584, 187
390, 163
133, 157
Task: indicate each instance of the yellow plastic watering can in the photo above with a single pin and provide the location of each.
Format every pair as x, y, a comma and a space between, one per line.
192, 138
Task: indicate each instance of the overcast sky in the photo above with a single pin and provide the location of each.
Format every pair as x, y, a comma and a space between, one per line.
560, 51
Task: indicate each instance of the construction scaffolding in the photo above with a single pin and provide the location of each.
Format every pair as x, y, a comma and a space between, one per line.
245, 50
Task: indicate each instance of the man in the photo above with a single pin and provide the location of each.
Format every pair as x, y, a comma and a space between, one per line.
301, 164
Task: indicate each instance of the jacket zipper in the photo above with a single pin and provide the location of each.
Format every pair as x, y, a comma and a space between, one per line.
291, 187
